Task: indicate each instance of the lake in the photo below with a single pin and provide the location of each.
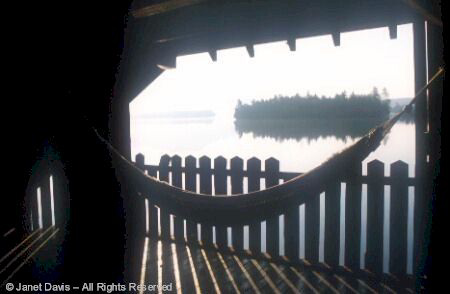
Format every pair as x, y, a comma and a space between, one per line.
298, 145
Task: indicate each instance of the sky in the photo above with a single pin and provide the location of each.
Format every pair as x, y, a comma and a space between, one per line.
365, 59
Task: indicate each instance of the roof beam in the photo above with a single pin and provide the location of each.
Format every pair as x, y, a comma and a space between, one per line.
250, 50
336, 38
163, 7
291, 44
393, 32
213, 55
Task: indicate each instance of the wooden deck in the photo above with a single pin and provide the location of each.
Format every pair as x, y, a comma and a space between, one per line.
190, 268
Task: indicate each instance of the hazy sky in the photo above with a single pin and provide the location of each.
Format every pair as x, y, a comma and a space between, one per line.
363, 60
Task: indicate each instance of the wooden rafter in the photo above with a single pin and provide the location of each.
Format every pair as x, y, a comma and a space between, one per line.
163, 7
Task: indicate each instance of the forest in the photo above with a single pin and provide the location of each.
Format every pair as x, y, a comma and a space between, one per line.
312, 106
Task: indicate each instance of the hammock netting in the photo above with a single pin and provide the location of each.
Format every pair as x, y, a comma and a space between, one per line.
227, 210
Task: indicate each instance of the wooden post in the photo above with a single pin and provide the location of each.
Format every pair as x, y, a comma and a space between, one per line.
353, 217
272, 168
399, 218
206, 188
436, 203
152, 210
177, 181
312, 229
220, 188
422, 197
164, 217
332, 224
375, 209
237, 182
254, 176
34, 206
292, 233
191, 185
45, 199
138, 213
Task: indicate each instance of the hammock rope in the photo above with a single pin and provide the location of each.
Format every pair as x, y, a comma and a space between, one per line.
258, 205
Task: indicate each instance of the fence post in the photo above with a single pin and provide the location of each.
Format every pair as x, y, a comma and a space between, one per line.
353, 216
191, 185
138, 213
152, 209
206, 188
237, 181
399, 218
375, 209
45, 199
272, 168
292, 233
220, 188
312, 228
177, 181
332, 223
164, 217
254, 179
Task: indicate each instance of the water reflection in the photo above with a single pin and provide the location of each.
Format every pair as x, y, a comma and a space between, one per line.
311, 129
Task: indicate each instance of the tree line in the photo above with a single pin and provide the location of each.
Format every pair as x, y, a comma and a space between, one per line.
311, 106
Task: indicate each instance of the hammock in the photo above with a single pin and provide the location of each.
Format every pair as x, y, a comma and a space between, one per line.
227, 210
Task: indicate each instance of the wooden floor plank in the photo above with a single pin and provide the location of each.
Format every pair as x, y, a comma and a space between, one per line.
195, 269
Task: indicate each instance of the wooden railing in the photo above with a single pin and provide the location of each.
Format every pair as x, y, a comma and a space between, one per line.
287, 230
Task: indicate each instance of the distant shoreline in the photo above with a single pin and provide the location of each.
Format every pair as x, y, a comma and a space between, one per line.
312, 107
197, 114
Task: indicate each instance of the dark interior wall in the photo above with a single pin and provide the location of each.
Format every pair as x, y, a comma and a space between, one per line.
60, 62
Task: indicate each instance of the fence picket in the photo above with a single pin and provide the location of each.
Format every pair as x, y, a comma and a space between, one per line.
206, 188
399, 218
177, 181
353, 217
164, 217
237, 181
291, 233
375, 209
272, 168
254, 176
45, 200
190, 181
138, 204
332, 223
312, 223
152, 209
220, 188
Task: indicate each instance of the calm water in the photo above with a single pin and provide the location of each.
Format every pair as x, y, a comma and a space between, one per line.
299, 146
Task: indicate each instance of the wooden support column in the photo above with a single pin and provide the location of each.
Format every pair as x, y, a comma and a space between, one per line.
422, 196
435, 205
